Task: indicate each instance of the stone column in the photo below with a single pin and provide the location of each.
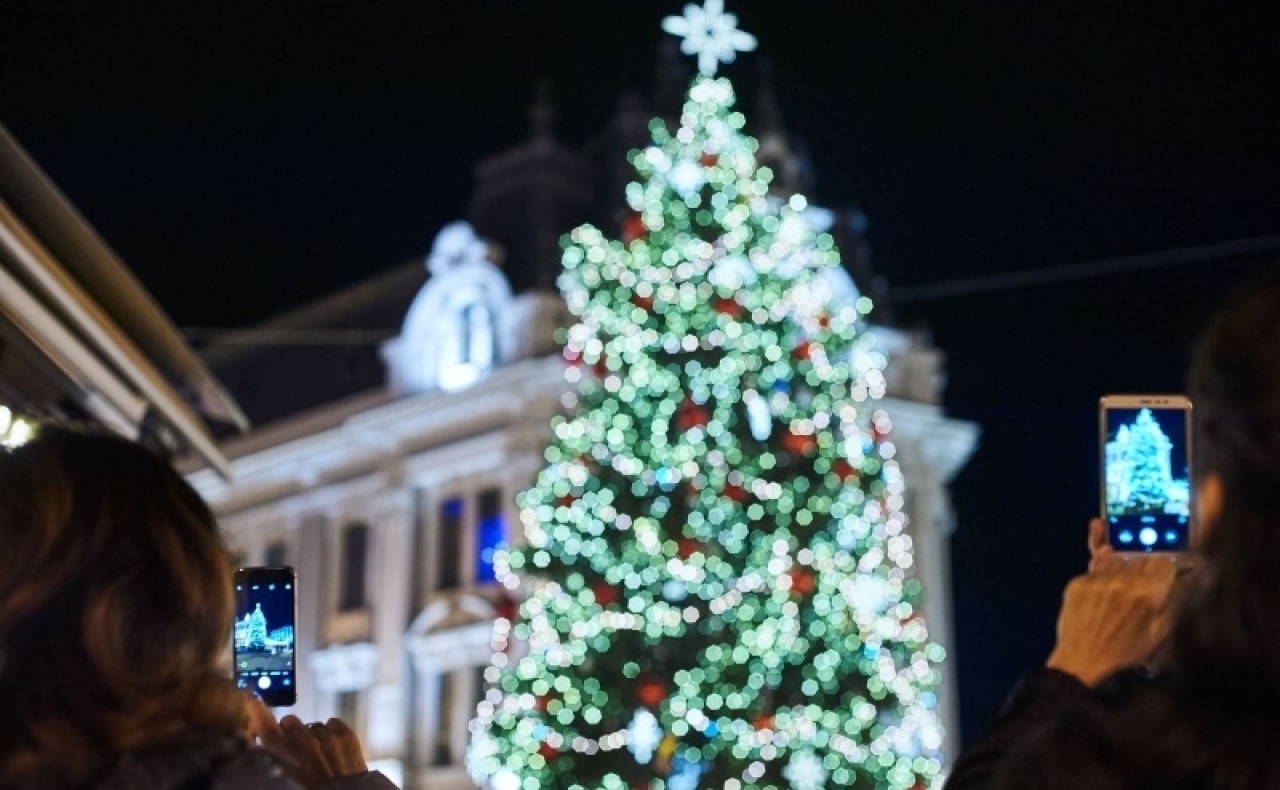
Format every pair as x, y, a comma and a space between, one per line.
313, 581
390, 585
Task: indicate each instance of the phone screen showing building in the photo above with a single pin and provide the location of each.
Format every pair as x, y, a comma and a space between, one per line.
1147, 471
263, 641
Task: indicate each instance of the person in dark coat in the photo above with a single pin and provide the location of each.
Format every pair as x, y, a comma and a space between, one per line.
116, 610
1163, 679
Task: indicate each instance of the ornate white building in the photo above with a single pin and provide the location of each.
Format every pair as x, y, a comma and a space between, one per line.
391, 498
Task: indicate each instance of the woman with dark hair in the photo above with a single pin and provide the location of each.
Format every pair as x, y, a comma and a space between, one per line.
115, 614
1157, 683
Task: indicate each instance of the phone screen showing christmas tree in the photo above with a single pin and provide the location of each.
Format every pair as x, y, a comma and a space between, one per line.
1146, 472
263, 634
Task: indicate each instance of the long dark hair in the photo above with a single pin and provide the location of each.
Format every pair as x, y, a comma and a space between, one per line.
115, 609
1212, 721
1229, 630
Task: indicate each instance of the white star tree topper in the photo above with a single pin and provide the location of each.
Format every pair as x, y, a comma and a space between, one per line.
709, 33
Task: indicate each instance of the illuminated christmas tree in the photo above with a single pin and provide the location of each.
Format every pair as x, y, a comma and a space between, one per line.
1149, 476
716, 582
257, 628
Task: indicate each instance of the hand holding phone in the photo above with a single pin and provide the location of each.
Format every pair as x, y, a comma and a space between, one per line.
263, 640
1146, 472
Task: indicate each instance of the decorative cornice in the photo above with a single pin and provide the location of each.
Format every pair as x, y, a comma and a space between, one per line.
350, 667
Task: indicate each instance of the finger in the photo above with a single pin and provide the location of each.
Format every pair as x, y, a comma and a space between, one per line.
1097, 536
261, 724
1156, 567
1105, 559
309, 746
300, 741
346, 747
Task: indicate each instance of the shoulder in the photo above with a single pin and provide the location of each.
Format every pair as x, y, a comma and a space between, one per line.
252, 769
1052, 725
1139, 731
369, 780
218, 762
256, 769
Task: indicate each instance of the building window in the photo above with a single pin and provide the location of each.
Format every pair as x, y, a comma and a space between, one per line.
355, 551
477, 335
458, 691
468, 341
446, 698
491, 533
478, 684
276, 555
449, 544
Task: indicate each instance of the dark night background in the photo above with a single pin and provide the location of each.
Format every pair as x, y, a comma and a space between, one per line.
245, 157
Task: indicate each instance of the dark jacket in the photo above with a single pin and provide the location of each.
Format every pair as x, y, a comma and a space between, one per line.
1133, 731
215, 763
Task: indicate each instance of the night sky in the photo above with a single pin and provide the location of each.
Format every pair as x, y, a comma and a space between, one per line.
243, 158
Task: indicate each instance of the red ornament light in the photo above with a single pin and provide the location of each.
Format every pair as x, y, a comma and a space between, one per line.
548, 751
709, 160
736, 492
605, 594
645, 303
692, 415
506, 608
687, 547
843, 469
799, 443
802, 581
729, 307
651, 690
633, 228
803, 350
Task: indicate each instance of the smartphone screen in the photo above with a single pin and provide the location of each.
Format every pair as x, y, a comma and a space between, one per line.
263, 639
1146, 472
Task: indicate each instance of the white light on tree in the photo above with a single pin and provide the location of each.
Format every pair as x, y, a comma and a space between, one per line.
645, 735
806, 772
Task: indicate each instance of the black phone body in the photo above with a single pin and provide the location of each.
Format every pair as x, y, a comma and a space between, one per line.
263, 640
1146, 476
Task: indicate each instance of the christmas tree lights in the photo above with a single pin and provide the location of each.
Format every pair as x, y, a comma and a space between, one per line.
716, 578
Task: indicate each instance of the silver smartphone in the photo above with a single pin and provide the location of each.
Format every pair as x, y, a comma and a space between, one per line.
263, 640
1146, 476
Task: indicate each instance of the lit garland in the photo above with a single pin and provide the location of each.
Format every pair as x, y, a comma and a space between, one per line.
716, 571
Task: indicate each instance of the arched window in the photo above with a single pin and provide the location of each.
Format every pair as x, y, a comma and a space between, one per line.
468, 340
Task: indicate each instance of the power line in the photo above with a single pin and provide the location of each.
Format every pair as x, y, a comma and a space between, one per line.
966, 286
1081, 271
286, 337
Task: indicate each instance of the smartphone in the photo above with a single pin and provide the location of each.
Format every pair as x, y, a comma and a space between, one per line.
1146, 472
263, 639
